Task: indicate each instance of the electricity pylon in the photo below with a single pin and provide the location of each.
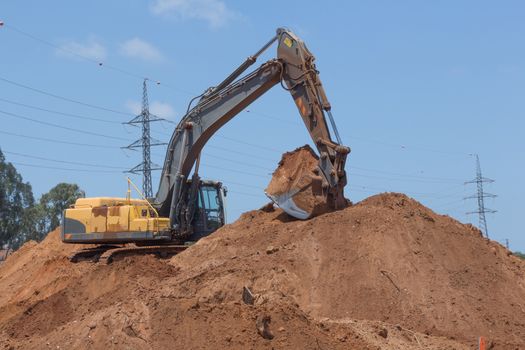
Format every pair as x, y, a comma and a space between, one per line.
145, 142
480, 196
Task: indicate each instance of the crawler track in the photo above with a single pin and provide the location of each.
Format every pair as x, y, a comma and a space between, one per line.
91, 253
162, 251
107, 253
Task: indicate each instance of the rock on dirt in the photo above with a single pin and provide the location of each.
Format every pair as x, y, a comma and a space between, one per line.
263, 326
337, 280
383, 332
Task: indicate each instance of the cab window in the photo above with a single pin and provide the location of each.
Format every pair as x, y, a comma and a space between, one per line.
209, 203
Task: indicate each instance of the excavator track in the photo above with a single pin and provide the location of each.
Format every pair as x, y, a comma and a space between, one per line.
106, 254
92, 253
162, 251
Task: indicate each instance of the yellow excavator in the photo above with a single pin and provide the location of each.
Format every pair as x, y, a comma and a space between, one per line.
187, 208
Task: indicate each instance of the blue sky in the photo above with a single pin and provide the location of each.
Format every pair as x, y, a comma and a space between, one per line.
416, 88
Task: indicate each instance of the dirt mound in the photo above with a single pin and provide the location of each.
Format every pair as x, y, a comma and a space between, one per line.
36, 269
386, 273
296, 184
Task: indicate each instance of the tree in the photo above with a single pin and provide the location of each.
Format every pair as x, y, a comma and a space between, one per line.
16, 197
48, 213
21, 219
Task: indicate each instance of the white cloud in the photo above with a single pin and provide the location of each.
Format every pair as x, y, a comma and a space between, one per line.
91, 49
163, 110
133, 106
160, 109
138, 48
215, 12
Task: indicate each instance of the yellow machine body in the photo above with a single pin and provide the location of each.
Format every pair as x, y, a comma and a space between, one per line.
113, 220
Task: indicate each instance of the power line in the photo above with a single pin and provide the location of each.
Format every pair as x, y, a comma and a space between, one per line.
18, 116
238, 141
248, 143
235, 161
66, 169
245, 154
99, 63
234, 170
59, 113
30, 137
212, 166
415, 178
63, 49
267, 116
221, 168
391, 145
406, 175
411, 179
62, 97
102, 171
251, 165
63, 161
121, 169
242, 142
241, 184
398, 179
449, 203
57, 141
394, 145
435, 195
251, 155
228, 138
141, 77
247, 194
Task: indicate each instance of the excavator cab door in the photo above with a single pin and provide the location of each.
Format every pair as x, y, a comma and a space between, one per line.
209, 215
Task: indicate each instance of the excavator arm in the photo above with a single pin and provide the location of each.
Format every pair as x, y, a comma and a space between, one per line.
294, 68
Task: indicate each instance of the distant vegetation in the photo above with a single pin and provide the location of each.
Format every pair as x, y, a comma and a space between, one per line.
21, 217
519, 255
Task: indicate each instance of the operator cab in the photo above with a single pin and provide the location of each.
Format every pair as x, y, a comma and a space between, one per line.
210, 214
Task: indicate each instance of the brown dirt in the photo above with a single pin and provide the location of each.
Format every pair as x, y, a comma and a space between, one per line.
386, 273
296, 172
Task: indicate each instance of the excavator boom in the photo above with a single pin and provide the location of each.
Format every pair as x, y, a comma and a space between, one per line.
294, 68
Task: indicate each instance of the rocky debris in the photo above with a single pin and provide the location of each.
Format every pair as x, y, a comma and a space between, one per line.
247, 296
271, 249
263, 326
383, 332
268, 207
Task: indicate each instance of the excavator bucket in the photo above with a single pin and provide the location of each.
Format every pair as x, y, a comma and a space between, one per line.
296, 186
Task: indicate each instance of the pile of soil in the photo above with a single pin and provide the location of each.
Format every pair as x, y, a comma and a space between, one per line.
297, 176
386, 273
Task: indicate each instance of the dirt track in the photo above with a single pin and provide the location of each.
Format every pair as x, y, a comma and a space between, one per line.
386, 273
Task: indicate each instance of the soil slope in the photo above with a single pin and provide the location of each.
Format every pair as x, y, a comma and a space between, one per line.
386, 273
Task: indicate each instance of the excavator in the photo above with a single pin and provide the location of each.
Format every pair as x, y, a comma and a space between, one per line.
187, 208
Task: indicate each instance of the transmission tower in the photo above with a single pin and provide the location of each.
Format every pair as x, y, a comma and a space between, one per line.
480, 196
145, 142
